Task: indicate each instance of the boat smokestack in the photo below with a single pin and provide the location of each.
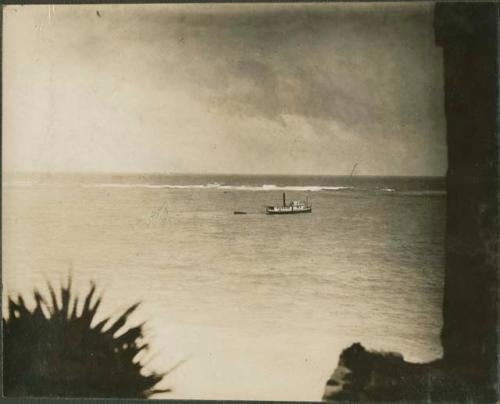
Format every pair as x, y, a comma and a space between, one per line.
284, 201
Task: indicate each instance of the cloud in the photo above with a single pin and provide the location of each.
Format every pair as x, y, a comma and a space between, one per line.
165, 83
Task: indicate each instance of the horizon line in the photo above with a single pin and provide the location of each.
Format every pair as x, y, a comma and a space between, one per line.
151, 173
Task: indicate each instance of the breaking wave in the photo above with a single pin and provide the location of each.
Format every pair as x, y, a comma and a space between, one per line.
218, 186
265, 187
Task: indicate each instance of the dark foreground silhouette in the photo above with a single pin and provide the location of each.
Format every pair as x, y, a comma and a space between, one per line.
55, 350
363, 375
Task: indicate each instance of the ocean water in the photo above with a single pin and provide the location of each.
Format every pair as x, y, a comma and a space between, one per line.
256, 306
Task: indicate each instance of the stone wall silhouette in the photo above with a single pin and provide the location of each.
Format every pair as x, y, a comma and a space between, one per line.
468, 34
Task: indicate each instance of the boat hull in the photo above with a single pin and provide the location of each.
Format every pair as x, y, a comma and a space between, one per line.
288, 212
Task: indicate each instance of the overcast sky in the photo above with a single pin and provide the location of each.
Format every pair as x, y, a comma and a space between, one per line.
228, 88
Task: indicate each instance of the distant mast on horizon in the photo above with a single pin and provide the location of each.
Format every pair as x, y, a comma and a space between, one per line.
354, 169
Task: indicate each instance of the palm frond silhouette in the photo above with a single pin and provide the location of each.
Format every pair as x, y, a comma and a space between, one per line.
54, 351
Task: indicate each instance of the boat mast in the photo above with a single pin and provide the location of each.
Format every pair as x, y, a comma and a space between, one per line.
284, 203
354, 169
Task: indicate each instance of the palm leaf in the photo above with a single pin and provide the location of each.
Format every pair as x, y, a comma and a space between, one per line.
120, 322
61, 355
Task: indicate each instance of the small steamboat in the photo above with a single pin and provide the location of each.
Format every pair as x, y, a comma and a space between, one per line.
290, 208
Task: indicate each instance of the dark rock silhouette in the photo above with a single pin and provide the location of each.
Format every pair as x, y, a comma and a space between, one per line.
54, 351
468, 34
363, 375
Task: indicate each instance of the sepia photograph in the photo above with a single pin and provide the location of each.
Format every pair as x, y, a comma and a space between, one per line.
250, 201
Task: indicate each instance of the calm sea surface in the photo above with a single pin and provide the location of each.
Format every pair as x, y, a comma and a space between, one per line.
258, 306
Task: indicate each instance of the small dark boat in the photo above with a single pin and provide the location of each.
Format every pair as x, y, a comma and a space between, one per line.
291, 208
238, 212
